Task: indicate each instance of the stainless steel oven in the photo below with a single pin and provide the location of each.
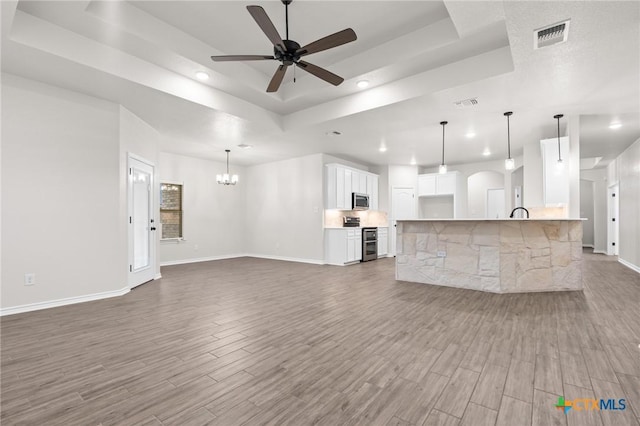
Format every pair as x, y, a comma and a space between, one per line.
369, 244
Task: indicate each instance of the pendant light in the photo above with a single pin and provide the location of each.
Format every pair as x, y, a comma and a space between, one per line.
560, 164
443, 167
509, 163
227, 179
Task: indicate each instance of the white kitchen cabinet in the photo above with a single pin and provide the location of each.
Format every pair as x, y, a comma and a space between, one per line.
372, 190
426, 185
441, 195
437, 184
383, 242
342, 181
363, 183
340, 188
343, 246
348, 189
446, 183
355, 182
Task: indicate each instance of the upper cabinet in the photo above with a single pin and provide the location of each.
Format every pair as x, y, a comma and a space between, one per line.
437, 184
441, 196
343, 181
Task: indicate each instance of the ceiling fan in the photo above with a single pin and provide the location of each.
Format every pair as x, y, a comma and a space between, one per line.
289, 52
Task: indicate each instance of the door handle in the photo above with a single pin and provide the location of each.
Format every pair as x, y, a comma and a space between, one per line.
153, 228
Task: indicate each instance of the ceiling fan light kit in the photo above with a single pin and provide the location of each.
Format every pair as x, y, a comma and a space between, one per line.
289, 52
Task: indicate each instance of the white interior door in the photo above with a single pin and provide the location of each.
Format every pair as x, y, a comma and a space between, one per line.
142, 247
614, 223
495, 203
403, 206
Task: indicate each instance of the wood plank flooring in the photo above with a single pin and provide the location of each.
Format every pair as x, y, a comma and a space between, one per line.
262, 342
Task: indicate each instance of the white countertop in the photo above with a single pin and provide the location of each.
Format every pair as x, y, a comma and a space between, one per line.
353, 227
546, 219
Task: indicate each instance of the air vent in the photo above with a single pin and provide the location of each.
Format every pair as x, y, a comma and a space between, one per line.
551, 34
466, 103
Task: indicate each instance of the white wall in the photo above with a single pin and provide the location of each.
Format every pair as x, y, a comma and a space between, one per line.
60, 193
284, 211
138, 138
477, 186
213, 214
587, 211
573, 131
532, 175
628, 168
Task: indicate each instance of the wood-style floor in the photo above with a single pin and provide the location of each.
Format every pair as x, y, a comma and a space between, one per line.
250, 341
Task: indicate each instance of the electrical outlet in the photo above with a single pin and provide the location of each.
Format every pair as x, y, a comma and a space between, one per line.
29, 279
442, 253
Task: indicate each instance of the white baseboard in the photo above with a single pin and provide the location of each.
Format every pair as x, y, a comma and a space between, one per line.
287, 259
62, 302
201, 259
629, 265
599, 252
233, 256
157, 277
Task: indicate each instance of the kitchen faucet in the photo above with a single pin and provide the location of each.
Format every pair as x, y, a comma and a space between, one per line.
518, 208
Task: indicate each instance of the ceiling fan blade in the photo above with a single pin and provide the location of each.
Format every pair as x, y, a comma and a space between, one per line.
276, 80
241, 58
333, 40
265, 24
327, 76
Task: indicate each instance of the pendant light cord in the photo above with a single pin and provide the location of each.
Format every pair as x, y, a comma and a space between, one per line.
227, 160
559, 154
508, 138
443, 124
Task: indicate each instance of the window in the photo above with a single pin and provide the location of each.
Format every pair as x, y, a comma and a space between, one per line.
171, 210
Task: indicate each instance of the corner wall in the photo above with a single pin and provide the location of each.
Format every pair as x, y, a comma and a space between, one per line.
138, 138
213, 214
61, 196
628, 165
284, 209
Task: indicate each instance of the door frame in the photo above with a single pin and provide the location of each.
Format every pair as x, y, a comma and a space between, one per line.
613, 227
133, 277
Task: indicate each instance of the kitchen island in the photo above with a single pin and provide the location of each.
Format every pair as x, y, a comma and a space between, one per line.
493, 255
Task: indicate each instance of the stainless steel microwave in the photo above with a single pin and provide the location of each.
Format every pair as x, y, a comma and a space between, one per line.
359, 201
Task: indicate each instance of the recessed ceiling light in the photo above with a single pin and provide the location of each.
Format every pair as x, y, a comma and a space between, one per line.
615, 125
202, 76
486, 152
383, 149
470, 135
413, 162
363, 84
244, 146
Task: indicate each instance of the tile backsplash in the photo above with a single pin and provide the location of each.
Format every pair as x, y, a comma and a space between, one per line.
371, 218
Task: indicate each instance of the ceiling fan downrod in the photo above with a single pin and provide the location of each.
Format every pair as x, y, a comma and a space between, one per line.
286, 16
